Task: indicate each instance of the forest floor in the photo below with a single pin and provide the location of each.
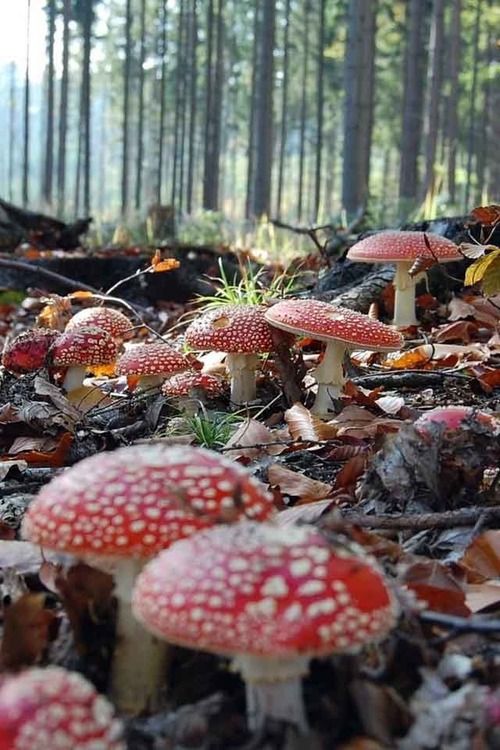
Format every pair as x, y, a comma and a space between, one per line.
427, 507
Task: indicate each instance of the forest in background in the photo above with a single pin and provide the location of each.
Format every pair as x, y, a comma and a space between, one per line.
298, 109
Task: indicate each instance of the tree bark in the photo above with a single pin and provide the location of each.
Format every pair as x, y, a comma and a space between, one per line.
162, 96
451, 122
320, 109
140, 114
214, 79
303, 107
471, 134
193, 108
88, 17
63, 111
126, 100
26, 152
252, 137
284, 109
12, 128
434, 87
49, 132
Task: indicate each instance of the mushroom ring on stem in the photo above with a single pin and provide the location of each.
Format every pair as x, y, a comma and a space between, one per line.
272, 598
341, 329
118, 509
243, 333
403, 249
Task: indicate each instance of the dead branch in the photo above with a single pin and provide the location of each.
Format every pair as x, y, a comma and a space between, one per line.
461, 625
416, 521
406, 378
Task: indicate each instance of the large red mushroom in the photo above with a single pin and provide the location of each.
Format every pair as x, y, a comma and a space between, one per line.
108, 319
271, 598
78, 350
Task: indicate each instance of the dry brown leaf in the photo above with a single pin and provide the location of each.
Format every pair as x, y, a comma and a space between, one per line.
6, 465
26, 631
438, 587
305, 426
473, 306
482, 557
430, 356
297, 485
252, 433
390, 404
308, 513
56, 313
461, 330
479, 596
351, 471
81, 294
473, 250
487, 215
21, 444
56, 457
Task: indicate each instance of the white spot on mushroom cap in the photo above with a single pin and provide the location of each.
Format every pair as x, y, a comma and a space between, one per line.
233, 329
389, 246
108, 319
86, 345
151, 359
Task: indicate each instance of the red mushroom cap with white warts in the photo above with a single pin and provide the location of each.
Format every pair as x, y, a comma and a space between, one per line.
151, 359
393, 246
185, 383
138, 500
262, 590
234, 329
453, 418
84, 346
326, 322
52, 708
108, 319
29, 351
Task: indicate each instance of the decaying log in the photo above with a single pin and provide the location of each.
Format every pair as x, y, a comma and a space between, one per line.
20, 225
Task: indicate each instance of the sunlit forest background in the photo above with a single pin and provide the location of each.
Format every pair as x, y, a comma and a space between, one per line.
298, 109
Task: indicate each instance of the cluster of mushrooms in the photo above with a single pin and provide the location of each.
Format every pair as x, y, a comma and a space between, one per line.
193, 541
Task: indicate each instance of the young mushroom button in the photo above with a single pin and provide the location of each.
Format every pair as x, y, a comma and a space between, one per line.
150, 364
242, 332
341, 329
121, 508
190, 387
112, 321
403, 249
79, 349
270, 597
52, 708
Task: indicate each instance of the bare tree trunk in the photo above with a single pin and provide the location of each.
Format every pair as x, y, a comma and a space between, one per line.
193, 90
208, 103
126, 100
179, 96
140, 114
451, 120
359, 88
320, 109
284, 109
413, 101
303, 107
482, 154
49, 134
26, 157
215, 74
434, 85
471, 135
493, 135
12, 128
88, 17
162, 95
252, 136
63, 110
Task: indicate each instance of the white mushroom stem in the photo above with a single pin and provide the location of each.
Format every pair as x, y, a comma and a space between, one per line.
404, 298
274, 690
139, 659
74, 378
330, 377
147, 382
242, 370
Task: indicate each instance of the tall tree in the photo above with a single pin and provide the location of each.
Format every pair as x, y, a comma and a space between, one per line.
140, 114
12, 128
26, 152
451, 119
162, 96
303, 106
180, 70
260, 202
126, 101
471, 133
358, 107
413, 100
434, 89
320, 107
63, 109
85, 16
214, 84
193, 91
252, 136
284, 108
49, 127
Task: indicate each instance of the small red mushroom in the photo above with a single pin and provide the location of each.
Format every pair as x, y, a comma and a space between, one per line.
52, 708
270, 597
453, 417
243, 333
190, 387
403, 249
78, 350
150, 364
108, 319
341, 329
29, 350
124, 507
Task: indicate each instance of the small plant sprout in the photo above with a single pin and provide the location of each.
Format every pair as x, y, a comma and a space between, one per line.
249, 290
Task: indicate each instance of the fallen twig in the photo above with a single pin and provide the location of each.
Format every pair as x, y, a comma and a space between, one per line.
406, 378
415, 521
461, 624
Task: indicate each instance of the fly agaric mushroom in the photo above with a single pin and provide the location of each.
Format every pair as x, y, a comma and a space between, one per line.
124, 507
52, 708
272, 598
150, 364
341, 329
80, 349
243, 333
190, 387
108, 319
29, 351
454, 417
403, 249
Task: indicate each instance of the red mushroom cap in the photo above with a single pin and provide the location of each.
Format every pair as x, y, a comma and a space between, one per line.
52, 708
235, 329
151, 359
29, 351
393, 246
135, 501
112, 321
322, 321
453, 417
87, 345
262, 590
185, 383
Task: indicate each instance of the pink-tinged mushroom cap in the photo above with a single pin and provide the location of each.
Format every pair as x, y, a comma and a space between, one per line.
393, 246
325, 322
453, 418
151, 359
138, 500
232, 329
108, 319
29, 351
84, 346
266, 591
52, 708
185, 383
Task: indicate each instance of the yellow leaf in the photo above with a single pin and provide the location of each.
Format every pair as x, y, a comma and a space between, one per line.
487, 271
169, 264
80, 294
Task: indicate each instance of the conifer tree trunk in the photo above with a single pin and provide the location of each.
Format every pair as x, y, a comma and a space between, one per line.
49, 127
88, 16
179, 82
284, 109
140, 114
252, 135
320, 108
434, 87
451, 121
26, 152
413, 100
303, 107
63, 110
471, 134
12, 129
193, 91
126, 100
162, 95
215, 72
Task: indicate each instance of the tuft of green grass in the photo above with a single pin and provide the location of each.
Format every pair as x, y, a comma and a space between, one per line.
210, 429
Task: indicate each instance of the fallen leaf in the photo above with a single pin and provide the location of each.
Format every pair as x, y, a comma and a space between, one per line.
26, 631
351, 471
252, 433
437, 587
308, 513
6, 465
487, 215
473, 250
305, 426
461, 330
390, 404
486, 271
55, 457
297, 485
479, 596
482, 557
473, 306
80, 294
21, 444
430, 356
